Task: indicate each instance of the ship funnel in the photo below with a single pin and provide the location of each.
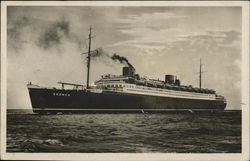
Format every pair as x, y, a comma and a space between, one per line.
128, 71
169, 79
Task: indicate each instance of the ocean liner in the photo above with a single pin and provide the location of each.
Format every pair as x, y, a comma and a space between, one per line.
127, 92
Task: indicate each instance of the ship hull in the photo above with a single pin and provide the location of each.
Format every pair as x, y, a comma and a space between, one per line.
81, 101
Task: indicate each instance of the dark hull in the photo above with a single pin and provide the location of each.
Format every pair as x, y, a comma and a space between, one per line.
45, 100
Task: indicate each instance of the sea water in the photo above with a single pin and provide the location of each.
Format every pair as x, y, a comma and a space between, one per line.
186, 132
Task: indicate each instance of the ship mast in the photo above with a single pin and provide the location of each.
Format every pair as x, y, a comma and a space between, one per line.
89, 57
200, 75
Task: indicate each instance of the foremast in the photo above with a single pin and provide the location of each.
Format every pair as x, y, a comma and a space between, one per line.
88, 58
200, 75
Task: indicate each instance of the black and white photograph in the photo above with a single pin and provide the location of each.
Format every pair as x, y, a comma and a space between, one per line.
125, 78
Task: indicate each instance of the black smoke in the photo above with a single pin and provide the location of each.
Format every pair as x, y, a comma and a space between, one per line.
53, 35
121, 59
99, 53
102, 55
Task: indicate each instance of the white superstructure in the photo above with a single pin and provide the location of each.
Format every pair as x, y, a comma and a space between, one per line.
119, 84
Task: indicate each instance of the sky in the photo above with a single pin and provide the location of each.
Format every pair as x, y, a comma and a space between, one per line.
45, 46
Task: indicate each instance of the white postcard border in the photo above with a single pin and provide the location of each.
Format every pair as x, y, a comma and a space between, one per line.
130, 156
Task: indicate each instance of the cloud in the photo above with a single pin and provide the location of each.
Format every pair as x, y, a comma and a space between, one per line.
155, 20
209, 43
173, 42
150, 30
54, 33
15, 31
152, 41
